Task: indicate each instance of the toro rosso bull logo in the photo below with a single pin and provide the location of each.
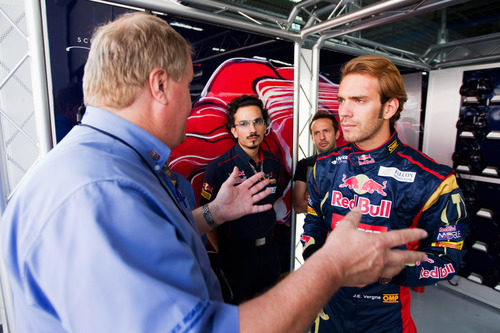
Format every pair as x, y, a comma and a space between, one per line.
362, 184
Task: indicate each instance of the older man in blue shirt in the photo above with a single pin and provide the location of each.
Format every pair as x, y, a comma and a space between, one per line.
96, 239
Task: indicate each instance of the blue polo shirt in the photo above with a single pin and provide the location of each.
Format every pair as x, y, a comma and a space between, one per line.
94, 243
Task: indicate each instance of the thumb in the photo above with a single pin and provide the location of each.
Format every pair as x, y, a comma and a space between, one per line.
234, 176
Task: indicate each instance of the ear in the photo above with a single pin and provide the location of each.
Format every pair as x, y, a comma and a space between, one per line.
390, 108
233, 131
337, 134
158, 85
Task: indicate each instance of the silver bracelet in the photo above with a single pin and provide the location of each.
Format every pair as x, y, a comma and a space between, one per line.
208, 216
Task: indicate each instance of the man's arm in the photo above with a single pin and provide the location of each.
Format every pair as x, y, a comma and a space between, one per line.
300, 196
445, 219
232, 201
315, 229
350, 257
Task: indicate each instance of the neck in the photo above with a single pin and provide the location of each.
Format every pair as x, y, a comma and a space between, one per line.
253, 153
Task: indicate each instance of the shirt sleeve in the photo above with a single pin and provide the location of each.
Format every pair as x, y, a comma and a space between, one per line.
445, 219
115, 259
315, 230
301, 171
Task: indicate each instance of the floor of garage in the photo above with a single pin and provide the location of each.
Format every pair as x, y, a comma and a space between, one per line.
440, 310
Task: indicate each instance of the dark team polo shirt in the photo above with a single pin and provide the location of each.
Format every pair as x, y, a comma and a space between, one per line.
251, 226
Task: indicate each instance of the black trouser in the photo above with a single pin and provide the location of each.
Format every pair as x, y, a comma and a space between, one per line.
250, 267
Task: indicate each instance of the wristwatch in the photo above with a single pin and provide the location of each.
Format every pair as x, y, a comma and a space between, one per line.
208, 216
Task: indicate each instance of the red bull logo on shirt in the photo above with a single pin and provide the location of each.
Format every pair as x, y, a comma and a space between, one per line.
365, 159
206, 191
437, 272
362, 184
449, 233
382, 210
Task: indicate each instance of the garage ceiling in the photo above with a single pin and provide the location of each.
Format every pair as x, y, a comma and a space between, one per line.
421, 34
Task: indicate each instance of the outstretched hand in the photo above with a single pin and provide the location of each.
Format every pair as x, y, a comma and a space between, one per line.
363, 257
233, 201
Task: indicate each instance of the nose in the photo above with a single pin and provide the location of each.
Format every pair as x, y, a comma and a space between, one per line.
251, 126
345, 110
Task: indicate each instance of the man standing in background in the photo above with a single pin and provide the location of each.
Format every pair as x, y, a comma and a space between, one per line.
324, 130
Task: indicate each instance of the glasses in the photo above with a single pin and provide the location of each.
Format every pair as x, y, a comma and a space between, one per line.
246, 123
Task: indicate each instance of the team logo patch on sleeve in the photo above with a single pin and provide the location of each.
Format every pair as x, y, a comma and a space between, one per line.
206, 191
311, 211
449, 233
306, 241
451, 245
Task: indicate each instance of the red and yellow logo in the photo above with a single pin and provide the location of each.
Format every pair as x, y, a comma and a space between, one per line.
451, 245
206, 191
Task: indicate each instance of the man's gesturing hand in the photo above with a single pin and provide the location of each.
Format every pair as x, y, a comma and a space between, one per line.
234, 201
362, 257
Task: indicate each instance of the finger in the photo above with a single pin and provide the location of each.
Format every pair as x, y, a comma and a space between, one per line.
398, 259
261, 195
233, 177
249, 182
396, 238
259, 186
260, 208
352, 218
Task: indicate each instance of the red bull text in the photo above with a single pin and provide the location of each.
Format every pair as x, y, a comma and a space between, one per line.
437, 272
382, 210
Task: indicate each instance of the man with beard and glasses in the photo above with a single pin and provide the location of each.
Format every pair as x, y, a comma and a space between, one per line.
248, 254
395, 186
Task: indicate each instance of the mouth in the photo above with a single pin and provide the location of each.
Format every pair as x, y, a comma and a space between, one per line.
253, 137
347, 126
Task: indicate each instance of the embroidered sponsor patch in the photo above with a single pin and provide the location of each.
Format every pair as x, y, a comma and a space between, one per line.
390, 298
365, 159
382, 210
311, 211
451, 245
392, 146
306, 241
437, 272
206, 191
340, 159
242, 175
402, 176
362, 184
450, 232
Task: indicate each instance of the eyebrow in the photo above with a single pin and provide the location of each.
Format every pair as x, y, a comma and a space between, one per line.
352, 97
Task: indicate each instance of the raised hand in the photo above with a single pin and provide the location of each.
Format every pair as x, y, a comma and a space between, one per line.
234, 201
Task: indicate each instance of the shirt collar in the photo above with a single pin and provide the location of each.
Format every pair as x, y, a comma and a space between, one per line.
364, 157
245, 157
155, 152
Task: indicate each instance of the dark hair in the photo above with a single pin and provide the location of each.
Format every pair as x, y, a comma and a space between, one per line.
324, 115
244, 100
388, 75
